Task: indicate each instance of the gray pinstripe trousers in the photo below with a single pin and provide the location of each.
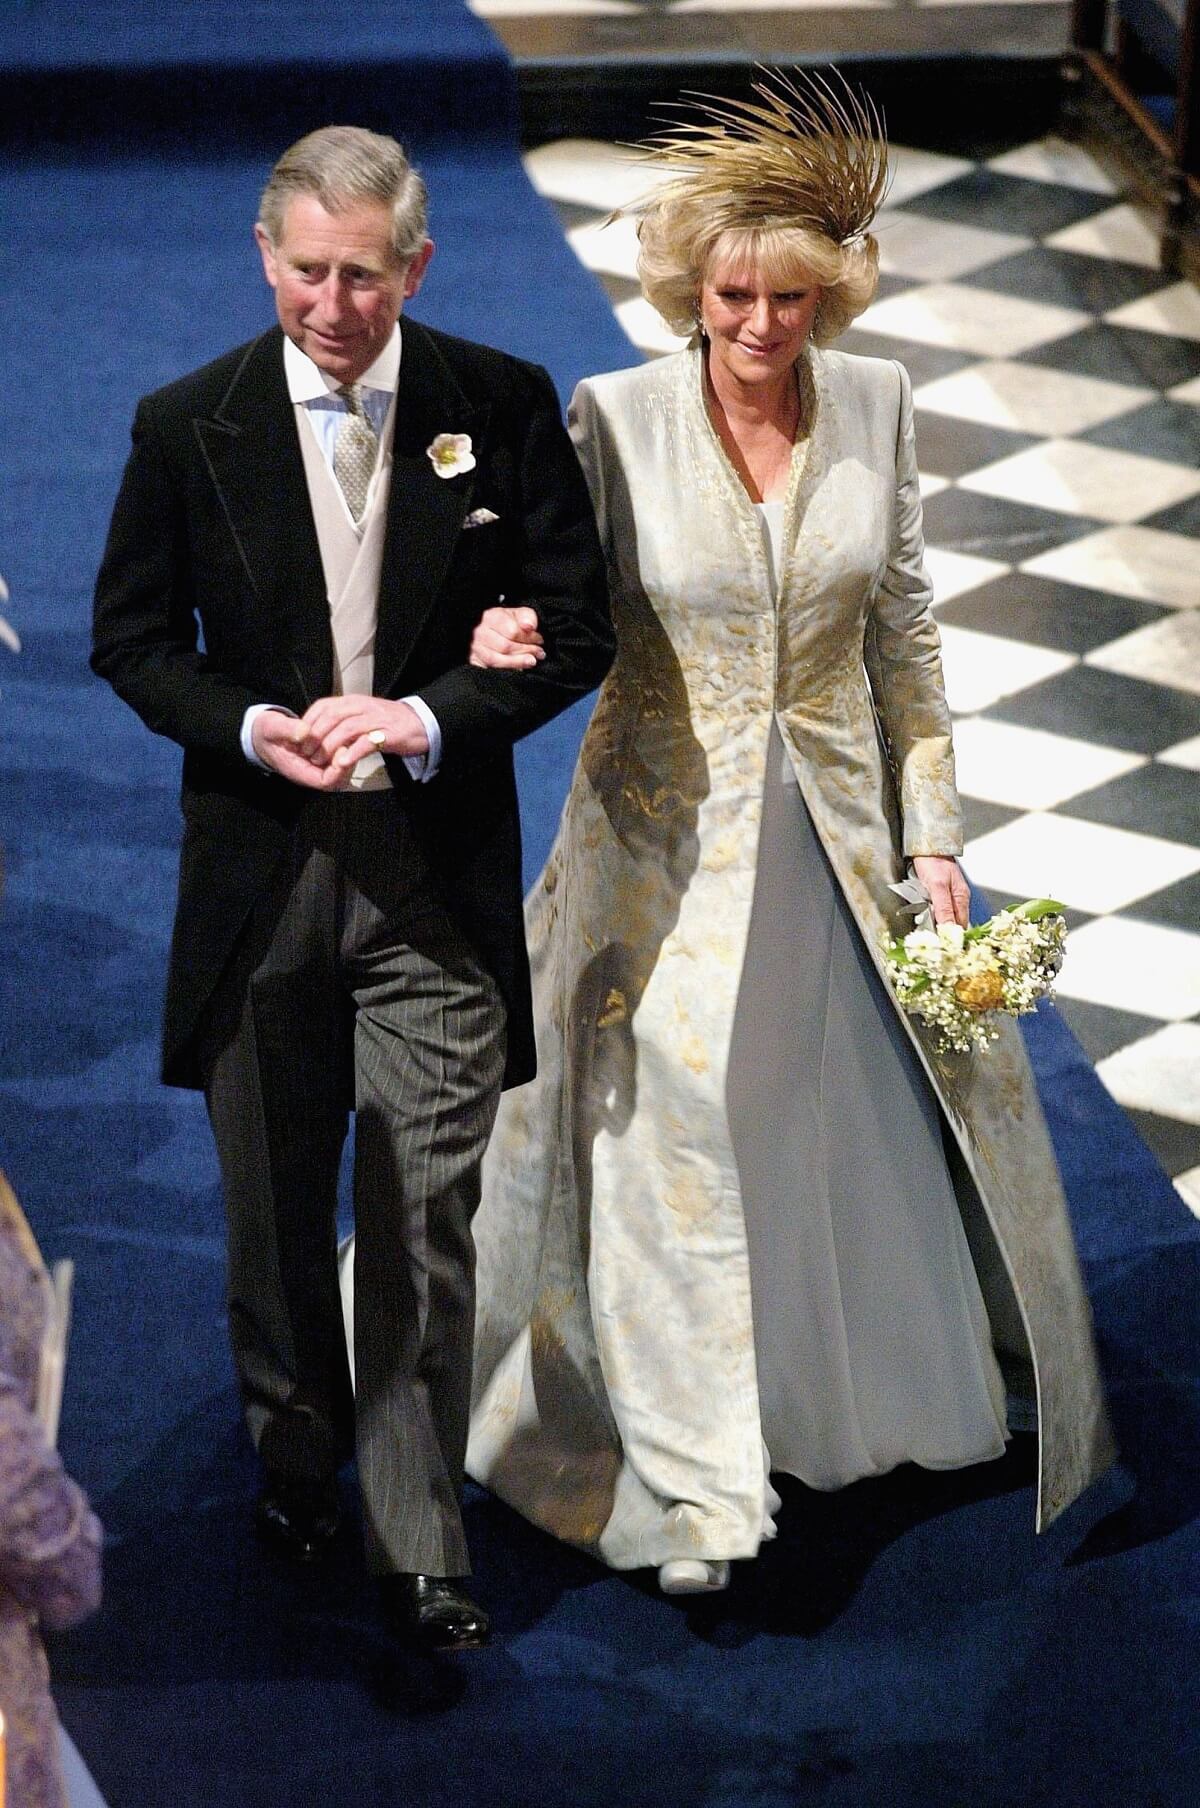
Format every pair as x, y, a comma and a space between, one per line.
352, 984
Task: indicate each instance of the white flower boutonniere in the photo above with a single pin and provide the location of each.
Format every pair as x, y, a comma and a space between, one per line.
450, 454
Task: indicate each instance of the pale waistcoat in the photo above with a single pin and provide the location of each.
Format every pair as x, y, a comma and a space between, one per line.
352, 559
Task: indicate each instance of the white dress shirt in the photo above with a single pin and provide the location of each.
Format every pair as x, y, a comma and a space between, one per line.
309, 388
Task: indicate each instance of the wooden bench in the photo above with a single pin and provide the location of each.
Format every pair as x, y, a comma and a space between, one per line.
1146, 54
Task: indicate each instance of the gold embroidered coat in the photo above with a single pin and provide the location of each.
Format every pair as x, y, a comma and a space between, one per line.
615, 1352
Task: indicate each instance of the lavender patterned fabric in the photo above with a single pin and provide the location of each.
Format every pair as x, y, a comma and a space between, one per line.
49, 1539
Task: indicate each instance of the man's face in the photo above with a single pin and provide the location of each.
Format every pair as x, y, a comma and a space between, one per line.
339, 287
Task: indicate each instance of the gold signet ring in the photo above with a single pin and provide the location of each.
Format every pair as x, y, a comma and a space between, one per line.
378, 737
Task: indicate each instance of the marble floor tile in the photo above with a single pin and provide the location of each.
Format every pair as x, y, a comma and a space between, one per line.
1105, 707
1069, 279
571, 214
922, 362
974, 521
986, 197
915, 172
1028, 768
1154, 798
888, 284
1093, 868
1124, 233
970, 320
1132, 966
610, 250
1181, 519
1158, 429
646, 327
1139, 562
1174, 1144
1187, 392
1174, 310
1138, 967
1178, 905
952, 445
1099, 1029
619, 289
1121, 354
938, 250
979, 669
1161, 1073
1082, 479
589, 172
532, 9
1054, 160
1166, 652
774, 6
1184, 753
981, 817
999, 393
1023, 607
954, 573
1188, 1187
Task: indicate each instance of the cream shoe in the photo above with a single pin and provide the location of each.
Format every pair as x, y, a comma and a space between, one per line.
692, 1576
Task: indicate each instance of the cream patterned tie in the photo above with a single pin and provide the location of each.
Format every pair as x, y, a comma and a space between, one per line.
354, 451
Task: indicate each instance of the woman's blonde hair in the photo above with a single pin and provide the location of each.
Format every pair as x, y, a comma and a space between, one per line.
681, 241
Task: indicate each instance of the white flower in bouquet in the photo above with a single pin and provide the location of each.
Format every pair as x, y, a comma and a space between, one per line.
957, 979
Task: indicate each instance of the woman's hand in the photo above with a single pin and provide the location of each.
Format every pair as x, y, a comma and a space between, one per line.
949, 893
507, 640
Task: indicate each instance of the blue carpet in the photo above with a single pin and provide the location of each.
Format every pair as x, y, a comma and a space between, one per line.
125, 35
906, 1641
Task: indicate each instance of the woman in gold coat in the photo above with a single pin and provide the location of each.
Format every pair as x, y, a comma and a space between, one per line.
748, 1218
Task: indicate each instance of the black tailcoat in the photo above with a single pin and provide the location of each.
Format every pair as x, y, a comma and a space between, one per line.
211, 597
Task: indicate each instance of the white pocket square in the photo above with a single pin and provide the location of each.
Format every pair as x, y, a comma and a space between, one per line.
480, 518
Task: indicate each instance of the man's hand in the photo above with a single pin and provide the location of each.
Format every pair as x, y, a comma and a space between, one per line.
322, 749
949, 893
507, 640
337, 732
276, 737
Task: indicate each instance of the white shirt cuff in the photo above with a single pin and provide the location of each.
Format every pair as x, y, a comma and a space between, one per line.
423, 766
248, 720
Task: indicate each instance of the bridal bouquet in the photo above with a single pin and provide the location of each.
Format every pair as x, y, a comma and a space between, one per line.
956, 979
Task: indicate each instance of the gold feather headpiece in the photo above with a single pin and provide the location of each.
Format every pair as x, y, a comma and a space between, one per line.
802, 153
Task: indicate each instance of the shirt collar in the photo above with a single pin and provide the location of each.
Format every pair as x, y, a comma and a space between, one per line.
306, 382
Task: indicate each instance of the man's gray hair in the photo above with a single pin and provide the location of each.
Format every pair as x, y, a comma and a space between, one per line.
341, 165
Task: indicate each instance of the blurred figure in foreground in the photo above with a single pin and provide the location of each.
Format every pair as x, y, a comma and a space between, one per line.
49, 1538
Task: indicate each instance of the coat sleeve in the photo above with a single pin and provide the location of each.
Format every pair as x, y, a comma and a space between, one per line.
903, 657
583, 427
145, 632
49, 1538
560, 573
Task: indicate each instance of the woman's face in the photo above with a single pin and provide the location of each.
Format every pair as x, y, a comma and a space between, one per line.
755, 331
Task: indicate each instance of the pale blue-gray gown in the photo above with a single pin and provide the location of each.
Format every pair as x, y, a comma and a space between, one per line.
870, 1333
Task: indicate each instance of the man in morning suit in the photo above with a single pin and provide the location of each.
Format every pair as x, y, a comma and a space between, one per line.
306, 533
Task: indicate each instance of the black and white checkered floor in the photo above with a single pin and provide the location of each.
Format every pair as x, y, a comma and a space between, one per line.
1056, 373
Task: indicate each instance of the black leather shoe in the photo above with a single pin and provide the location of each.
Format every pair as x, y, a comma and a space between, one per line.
435, 1612
298, 1519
